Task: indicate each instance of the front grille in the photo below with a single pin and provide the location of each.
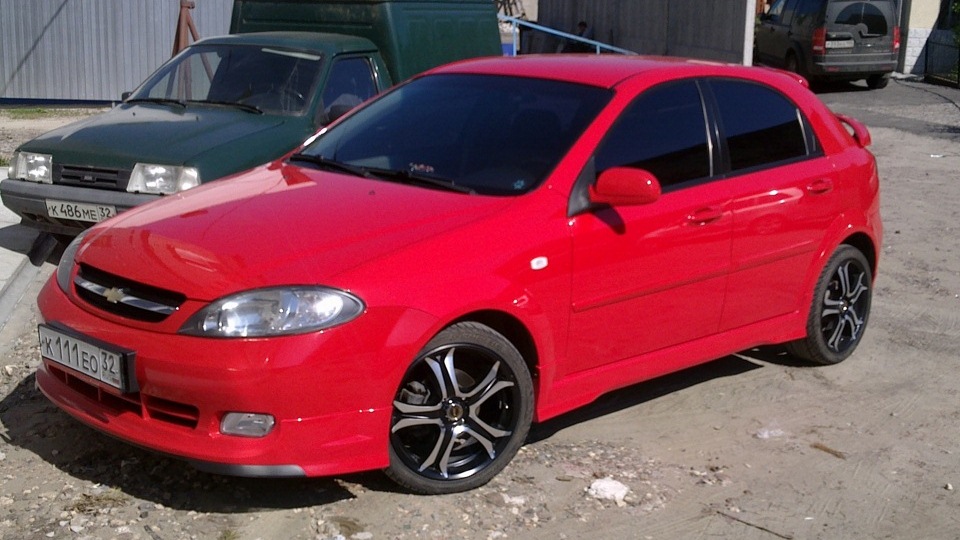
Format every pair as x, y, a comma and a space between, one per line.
92, 177
138, 403
172, 412
125, 297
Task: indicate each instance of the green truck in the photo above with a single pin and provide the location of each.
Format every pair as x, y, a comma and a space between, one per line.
229, 103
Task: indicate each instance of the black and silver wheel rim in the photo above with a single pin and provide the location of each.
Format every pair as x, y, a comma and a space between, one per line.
846, 303
455, 412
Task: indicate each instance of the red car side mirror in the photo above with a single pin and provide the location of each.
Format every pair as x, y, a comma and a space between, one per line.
623, 186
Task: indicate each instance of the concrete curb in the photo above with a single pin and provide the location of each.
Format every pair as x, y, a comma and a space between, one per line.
15, 287
21, 272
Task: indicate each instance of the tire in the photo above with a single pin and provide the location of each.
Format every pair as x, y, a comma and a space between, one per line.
462, 411
840, 309
876, 82
792, 63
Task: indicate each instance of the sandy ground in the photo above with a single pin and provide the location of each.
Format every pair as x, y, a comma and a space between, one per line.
751, 446
17, 127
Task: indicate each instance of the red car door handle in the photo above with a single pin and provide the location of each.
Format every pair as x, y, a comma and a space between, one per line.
705, 215
822, 185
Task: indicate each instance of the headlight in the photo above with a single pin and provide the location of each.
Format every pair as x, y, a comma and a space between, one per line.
274, 312
162, 179
32, 167
67, 260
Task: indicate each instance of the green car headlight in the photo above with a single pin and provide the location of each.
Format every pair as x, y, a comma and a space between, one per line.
32, 167
274, 312
162, 179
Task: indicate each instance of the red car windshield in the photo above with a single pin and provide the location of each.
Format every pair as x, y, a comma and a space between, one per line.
492, 135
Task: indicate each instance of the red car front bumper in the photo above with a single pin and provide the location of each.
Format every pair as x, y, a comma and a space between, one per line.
330, 393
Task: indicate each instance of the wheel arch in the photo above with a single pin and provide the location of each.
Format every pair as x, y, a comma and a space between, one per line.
796, 51
514, 330
862, 242
844, 231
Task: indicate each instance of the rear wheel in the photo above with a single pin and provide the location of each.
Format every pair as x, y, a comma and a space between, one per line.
876, 82
792, 64
461, 413
840, 309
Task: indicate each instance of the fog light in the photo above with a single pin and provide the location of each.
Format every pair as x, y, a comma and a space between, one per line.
246, 424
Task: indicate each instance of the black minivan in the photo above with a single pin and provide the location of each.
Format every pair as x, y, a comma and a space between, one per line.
831, 40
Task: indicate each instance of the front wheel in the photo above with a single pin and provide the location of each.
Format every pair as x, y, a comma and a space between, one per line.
840, 309
462, 411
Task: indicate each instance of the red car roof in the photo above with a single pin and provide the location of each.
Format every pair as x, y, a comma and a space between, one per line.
605, 70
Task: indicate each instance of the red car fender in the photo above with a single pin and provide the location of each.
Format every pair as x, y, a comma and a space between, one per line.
843, 228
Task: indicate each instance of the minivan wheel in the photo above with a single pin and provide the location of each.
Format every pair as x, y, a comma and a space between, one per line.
840, 309
462, 411
792, 64
876, 82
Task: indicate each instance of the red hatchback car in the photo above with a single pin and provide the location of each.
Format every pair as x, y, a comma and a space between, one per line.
492, 243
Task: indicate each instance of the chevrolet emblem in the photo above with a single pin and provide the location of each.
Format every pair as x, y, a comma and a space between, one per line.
114, 295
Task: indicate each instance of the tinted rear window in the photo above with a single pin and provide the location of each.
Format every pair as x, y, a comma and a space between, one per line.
871, 17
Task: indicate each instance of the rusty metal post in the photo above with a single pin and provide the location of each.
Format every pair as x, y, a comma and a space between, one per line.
184, 25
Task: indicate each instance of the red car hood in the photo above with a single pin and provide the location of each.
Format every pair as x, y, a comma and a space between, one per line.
273, 226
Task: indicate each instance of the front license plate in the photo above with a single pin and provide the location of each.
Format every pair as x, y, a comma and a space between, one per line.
99, 361
840, 44
79, 211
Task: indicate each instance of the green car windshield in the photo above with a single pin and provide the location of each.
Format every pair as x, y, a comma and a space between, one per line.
259, 79
494, 135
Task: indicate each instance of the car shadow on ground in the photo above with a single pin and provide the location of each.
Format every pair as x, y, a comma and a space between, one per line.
27, 241
612, 402
34, 424
837, 87
17, 238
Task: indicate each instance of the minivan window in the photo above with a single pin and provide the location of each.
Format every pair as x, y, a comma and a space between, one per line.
807, 8
761, 125
776, 9
663, 131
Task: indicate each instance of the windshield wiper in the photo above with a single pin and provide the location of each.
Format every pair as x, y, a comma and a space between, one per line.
331, 164
243, 106
421, 179
164, 101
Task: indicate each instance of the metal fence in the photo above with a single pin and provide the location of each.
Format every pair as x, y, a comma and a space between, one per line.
90, 49
519, 27
942, 61
710, 29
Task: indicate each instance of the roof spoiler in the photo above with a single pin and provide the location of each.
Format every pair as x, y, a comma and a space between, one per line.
860, 132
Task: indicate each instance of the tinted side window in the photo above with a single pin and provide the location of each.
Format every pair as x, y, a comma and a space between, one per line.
663, 131
776, 10
787, 16
761, 125
808, 7
349, 84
